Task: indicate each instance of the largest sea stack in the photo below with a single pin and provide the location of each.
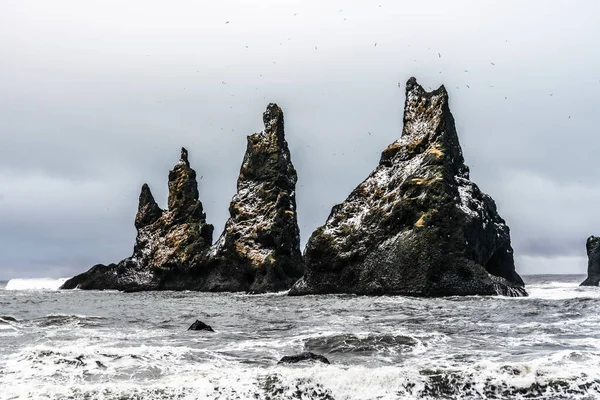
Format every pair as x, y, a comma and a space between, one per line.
417, 225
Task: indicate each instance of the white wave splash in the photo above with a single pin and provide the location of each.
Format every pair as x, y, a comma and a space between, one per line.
556, 290
35, 284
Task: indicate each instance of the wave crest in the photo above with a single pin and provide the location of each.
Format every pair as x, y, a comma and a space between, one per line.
35, 284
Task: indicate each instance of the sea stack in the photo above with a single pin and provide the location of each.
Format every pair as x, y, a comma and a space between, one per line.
417, 225
593, 252
169, 243
259, 249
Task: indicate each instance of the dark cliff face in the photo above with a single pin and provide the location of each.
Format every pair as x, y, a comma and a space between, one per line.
417, 225
169, 243
593, 252
259, 250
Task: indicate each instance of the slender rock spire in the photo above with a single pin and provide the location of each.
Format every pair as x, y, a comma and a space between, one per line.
259, 249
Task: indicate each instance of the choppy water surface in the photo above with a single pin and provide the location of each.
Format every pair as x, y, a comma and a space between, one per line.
110, 345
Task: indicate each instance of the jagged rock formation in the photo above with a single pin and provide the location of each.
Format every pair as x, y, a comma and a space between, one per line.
169, 244
417, 225
593, 252
306, 356
259, 250
200, 326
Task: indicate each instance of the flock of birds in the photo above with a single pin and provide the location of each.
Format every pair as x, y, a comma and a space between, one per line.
375, 45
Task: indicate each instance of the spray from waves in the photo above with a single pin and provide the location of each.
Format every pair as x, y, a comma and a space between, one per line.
556, 290
163, 372
35, 284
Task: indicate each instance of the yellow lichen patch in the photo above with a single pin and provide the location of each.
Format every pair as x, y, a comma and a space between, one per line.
256, 258
436, 152
423, 181
421, 222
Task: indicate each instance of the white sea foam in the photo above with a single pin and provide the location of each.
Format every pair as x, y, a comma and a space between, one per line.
167, 372
562, 291
35, 284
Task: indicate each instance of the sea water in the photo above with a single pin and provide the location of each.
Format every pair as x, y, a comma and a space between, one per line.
111, 345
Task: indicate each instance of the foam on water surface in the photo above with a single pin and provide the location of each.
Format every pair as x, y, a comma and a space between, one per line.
35, 284
111, 345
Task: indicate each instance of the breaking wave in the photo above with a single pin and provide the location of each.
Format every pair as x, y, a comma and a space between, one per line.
35, 284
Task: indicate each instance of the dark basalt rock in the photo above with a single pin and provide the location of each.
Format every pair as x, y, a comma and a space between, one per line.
7, 318
169, 243
259, 250
200, 326
306, 356
593, 252
417, 225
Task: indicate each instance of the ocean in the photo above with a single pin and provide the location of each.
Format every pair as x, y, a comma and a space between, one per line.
112, 345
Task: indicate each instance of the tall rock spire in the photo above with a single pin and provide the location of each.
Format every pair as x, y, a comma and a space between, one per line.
259, 249
417, 225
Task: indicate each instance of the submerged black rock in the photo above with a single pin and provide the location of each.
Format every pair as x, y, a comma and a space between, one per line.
8, 318
306, 356
200, 326
259, 250
417, 225
593, 252
169, 244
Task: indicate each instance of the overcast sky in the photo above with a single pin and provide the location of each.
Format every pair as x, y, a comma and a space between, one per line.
97, 97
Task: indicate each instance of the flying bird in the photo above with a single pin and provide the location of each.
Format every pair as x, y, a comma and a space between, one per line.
439, 55
468, 87
492, 63
226, 22
375, 44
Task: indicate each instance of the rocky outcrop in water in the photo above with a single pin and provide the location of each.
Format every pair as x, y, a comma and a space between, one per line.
417, 225
200, 326
259, 250
303, 357
593, 252
169, 246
